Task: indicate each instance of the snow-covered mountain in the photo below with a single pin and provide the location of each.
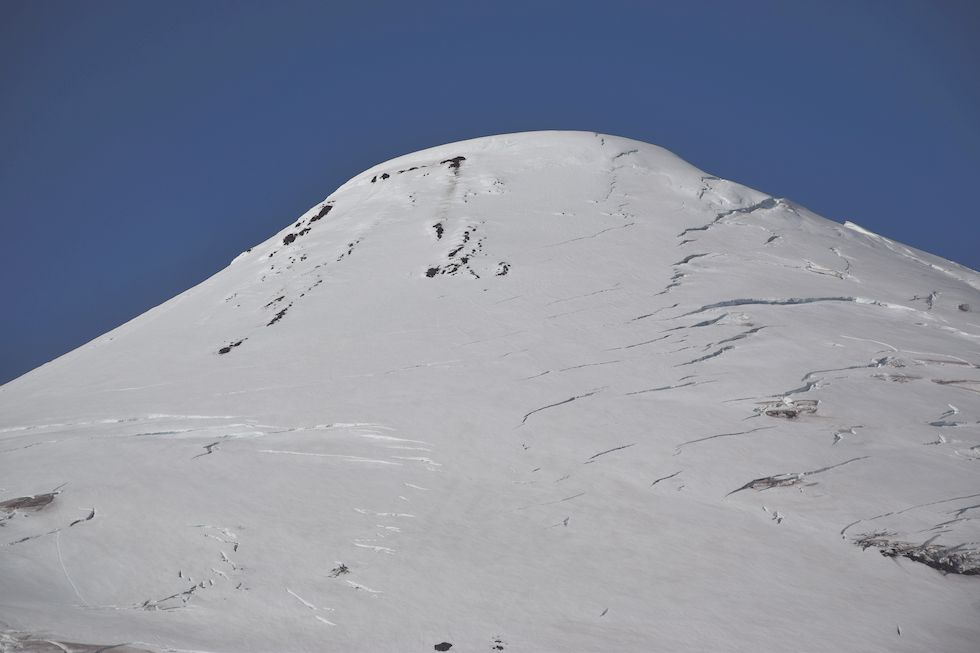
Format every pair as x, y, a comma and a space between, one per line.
554, 391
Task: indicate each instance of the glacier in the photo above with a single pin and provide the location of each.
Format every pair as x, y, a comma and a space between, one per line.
548, 391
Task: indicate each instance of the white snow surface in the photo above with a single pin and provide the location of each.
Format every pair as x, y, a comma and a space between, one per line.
516, 402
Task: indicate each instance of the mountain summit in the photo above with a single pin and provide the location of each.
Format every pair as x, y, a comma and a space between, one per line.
552, 391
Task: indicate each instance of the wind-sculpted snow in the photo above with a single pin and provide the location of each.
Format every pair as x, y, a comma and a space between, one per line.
553, 391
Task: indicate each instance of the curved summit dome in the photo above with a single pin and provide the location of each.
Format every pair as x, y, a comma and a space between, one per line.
554, 391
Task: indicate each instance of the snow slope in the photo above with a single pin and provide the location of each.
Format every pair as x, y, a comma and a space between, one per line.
553, 391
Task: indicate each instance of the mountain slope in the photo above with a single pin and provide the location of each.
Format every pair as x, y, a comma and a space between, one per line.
534, 392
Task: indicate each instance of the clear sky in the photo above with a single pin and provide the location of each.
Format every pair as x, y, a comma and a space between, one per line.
144, 144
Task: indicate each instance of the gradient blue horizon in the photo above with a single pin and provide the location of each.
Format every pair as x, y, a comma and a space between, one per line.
145, 144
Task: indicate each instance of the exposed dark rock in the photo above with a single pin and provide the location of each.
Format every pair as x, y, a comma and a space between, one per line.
443, 646
466, 238
350, 250
454, 163
278, 316
323, 211
460, 255
288, 239
339, 570
227, 348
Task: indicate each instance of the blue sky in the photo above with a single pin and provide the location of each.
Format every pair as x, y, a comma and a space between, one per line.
144, 144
